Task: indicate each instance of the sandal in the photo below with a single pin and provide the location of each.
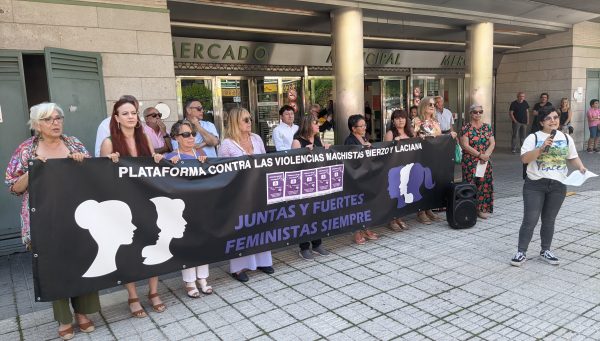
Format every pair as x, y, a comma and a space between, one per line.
359, 238
192, 290
422, 218
159, 308
432, 216
66, 334
204, 287
370, 235
85, 327
138, 313
402, 224
394, 226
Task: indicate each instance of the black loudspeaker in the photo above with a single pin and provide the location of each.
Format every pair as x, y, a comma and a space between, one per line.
461, 212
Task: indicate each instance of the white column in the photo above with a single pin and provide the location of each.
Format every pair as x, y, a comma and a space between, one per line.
480, 65
348, 67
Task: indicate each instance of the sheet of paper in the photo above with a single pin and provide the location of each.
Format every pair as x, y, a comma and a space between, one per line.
480, 171
577, 179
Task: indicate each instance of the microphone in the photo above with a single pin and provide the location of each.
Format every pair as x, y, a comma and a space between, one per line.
552, 134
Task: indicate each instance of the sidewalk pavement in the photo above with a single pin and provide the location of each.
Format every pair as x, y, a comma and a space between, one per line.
429, 282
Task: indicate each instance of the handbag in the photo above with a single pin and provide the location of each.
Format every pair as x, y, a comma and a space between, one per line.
457, 154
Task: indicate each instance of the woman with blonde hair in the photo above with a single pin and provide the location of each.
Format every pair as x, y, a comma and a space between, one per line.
566, 114
239, 141
427, 125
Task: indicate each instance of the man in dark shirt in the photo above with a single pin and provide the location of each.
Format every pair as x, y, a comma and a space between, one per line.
544, 97
519, 115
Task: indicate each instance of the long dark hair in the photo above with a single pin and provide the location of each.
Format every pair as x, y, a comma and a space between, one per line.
116, 135
305, 130
408, 130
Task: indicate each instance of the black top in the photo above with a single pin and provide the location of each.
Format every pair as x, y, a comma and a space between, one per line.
304, 142
563, 117
353, 140
519, 111
535, 126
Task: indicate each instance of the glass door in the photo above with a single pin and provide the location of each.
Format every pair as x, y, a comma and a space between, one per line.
372, 111
393, 98
267, 109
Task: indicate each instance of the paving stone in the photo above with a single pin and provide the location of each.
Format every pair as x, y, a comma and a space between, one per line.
296, 331
327, 323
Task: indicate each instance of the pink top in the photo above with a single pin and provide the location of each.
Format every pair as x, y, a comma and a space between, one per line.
156, 138
593, 113
230, 148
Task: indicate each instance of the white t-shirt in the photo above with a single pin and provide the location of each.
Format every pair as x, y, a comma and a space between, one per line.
101, 134
283, 136
553, 164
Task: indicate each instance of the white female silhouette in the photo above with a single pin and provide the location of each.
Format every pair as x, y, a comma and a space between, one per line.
109, 223
171, 224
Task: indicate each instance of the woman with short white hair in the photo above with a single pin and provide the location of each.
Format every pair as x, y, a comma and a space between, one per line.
49, 142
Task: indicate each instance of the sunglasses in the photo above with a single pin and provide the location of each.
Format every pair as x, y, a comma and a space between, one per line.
478, 112
247, 119
154, 115
431, 104
200, 108
549, 118
187, 134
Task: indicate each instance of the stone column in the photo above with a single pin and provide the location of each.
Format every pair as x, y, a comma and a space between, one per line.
348, 67
479, 68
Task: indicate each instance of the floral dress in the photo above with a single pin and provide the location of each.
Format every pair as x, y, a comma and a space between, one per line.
479, 138
18, 166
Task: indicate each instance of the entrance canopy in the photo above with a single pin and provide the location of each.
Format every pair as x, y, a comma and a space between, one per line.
412, 25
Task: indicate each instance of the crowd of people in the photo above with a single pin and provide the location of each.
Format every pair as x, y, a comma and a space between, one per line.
123, 134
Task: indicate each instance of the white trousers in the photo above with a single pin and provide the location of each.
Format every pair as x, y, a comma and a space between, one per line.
191, 274
251, 262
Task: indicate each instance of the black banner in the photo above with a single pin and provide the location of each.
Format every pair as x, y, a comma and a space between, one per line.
98, 224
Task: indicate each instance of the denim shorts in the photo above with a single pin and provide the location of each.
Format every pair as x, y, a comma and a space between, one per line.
594, 132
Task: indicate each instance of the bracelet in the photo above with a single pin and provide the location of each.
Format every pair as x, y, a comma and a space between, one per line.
166, 137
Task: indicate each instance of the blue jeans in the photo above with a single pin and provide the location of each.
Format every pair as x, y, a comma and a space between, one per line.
543, 198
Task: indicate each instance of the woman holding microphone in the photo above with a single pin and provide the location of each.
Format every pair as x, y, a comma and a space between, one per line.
546, 153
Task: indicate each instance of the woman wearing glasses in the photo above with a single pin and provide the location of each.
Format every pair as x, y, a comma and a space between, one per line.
184, 133
50, 143
239, 140
127, 138
477, 141
546, 157
427, 125
358, 129
308, 137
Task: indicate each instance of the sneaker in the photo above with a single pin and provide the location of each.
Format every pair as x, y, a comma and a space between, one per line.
306, 254
514, 151
549, 257
320, 251
518, 259
589, 150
